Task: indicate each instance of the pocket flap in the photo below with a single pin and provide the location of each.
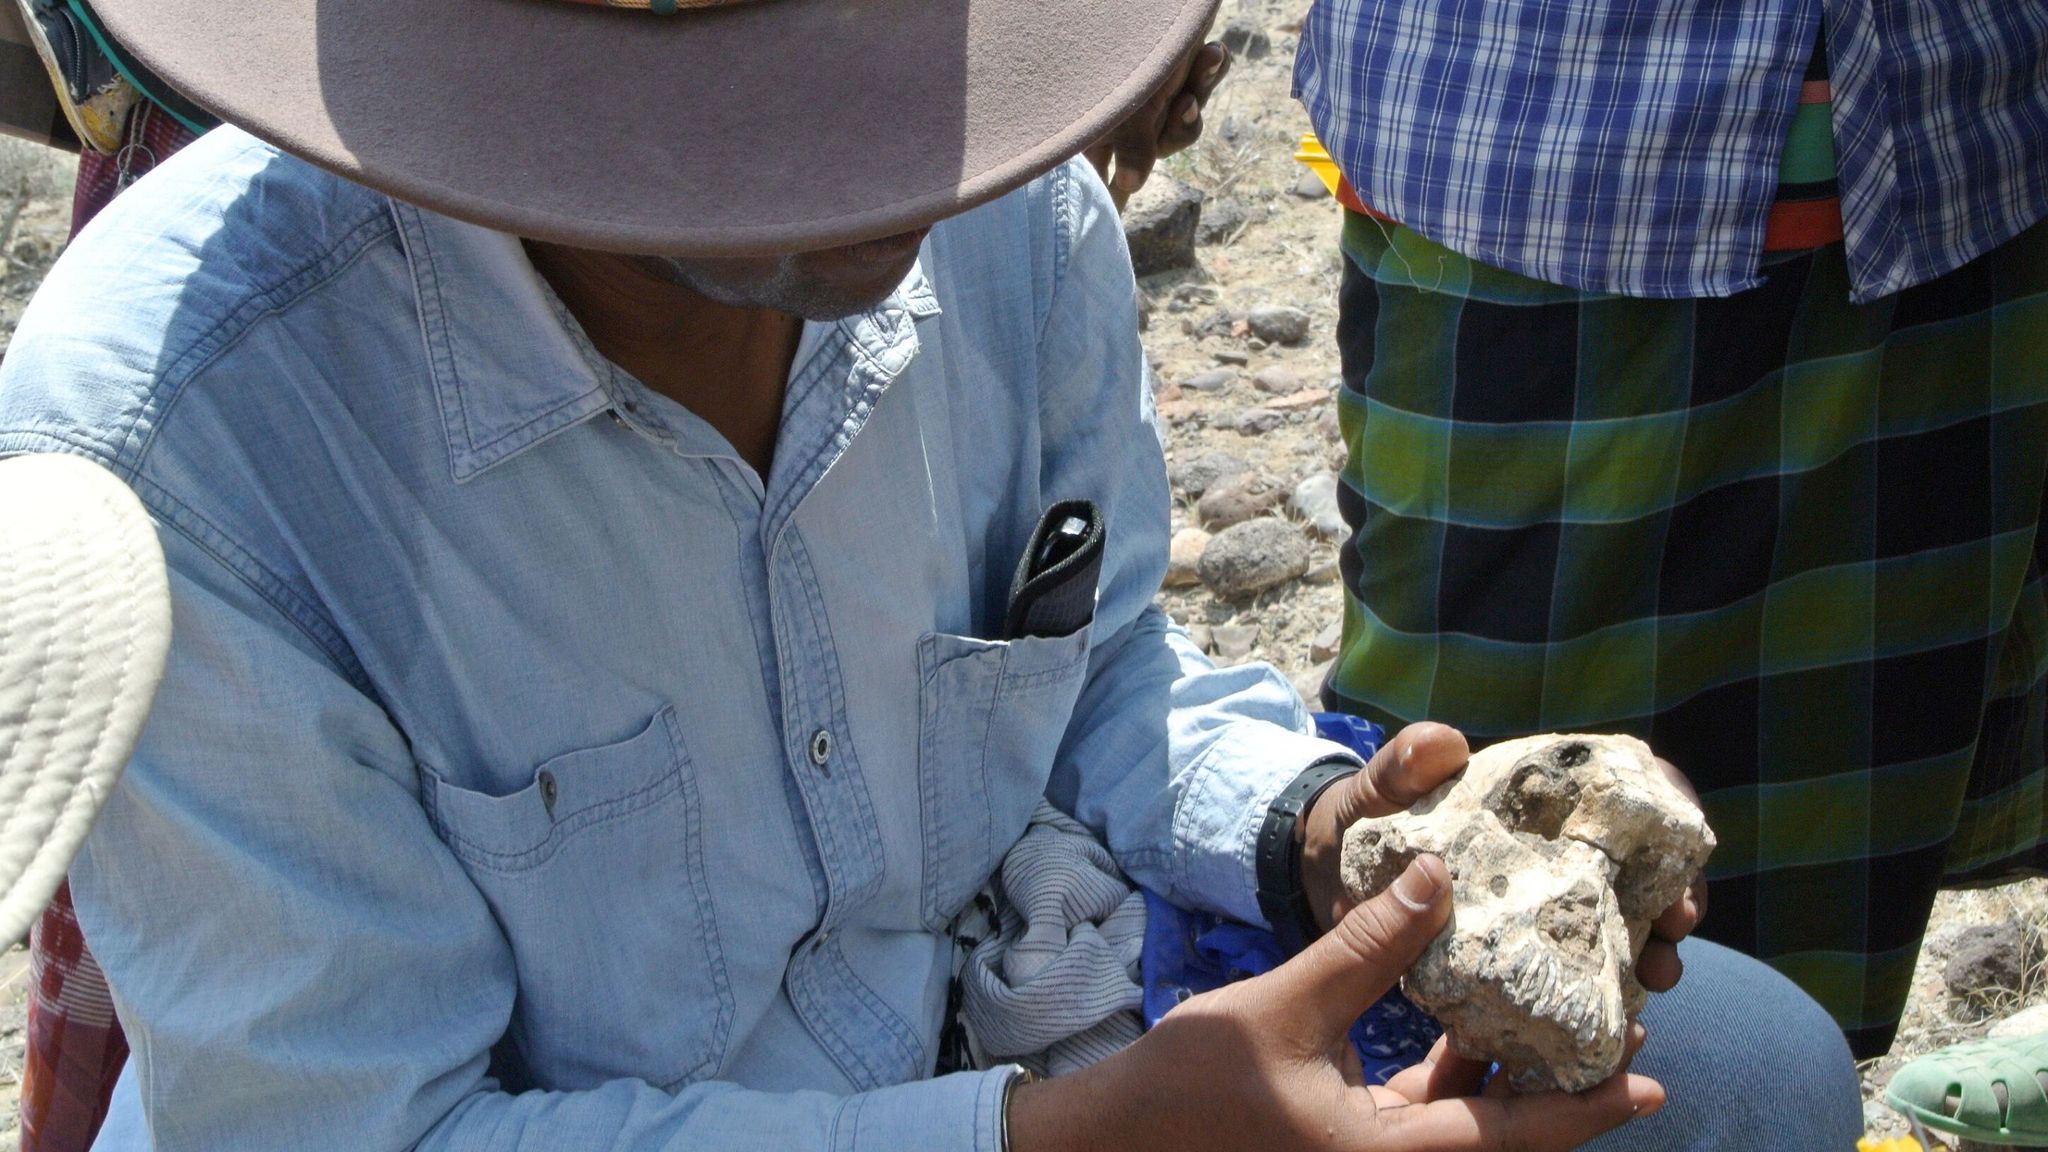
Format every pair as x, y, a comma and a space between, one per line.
568, 792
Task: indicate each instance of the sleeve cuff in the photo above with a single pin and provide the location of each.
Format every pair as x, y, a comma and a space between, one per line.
963, 1110
1233, 784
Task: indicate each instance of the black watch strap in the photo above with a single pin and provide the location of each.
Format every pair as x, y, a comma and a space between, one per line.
1281, 899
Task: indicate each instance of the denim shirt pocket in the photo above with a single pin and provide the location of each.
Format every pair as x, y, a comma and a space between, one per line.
991, 716
596, 874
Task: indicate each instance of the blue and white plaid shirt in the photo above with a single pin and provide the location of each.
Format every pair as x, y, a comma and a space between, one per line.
1632, 145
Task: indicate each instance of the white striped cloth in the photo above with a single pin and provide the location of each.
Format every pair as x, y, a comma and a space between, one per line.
1056, 986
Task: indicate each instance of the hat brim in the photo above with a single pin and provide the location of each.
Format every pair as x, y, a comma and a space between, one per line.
85, 626
770, 126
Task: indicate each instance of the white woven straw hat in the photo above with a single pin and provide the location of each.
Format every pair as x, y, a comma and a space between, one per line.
85, 623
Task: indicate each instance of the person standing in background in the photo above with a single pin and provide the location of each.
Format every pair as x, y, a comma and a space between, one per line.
1696, 386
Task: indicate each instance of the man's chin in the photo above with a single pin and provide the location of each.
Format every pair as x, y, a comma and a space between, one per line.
842, 282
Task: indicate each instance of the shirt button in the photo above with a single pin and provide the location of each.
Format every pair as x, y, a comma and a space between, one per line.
821, 750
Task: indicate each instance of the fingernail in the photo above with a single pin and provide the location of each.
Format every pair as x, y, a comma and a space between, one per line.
1417, 886
1192, 114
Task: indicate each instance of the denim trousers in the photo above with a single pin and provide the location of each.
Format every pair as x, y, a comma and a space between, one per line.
1749, 1063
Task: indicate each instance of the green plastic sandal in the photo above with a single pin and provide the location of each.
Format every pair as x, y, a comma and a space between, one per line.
1990, 1091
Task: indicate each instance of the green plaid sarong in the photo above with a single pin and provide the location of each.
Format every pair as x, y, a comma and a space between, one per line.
1790, 541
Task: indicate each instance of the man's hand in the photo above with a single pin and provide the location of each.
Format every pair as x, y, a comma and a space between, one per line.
1168, 122
1420, 757
1659, 967
1266, 1063
1416, 760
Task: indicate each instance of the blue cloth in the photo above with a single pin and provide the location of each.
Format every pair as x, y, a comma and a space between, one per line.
1188, 952
1632, 146
530, 772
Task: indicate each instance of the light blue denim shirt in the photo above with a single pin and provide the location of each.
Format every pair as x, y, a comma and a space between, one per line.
531, 774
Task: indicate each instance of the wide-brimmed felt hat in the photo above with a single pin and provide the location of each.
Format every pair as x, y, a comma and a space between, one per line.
741, 127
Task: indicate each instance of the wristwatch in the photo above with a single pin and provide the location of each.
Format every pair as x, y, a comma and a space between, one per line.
1278, 870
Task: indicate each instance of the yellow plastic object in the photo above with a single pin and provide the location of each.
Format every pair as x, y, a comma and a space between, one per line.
1896, 1144
1312, 153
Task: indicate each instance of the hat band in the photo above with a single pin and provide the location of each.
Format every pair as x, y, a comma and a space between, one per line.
659, 7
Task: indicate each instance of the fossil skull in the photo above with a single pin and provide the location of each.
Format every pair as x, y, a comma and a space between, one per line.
1561, 850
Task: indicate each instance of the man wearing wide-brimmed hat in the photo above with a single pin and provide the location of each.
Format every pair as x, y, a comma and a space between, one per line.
591, 490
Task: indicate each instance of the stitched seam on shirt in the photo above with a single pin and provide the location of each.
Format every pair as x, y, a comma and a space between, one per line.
819, 1017
1180, 865
835, 967
700, 884
836, 685
595, 816
268, 586
204, 351
1027, 681
808, 380
1063, 197
469, 439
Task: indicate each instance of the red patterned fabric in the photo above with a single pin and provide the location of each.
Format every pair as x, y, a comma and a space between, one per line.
152, 137
75, 1048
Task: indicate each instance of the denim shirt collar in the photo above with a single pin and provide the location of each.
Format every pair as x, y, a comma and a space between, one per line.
511, 367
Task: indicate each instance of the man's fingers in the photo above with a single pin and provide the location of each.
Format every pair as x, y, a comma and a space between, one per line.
1442, 1075
1659, 968
1546, 1122
1340, 975
1416, 760
1211, 65
1099, 154
1183, 126
1678, 921
1134, 158
1679, 780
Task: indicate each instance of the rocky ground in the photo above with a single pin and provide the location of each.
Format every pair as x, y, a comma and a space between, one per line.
1240, 326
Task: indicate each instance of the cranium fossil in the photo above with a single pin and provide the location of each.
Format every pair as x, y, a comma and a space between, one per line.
1561, 850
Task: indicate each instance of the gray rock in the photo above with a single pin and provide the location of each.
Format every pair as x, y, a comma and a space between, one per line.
1214, 380
1236, 499
1203, 636
1232, 356
2031, 1022
1221, 219
1256, 421
1198, 475
1988, 959
1279, 324
1246, 559
1561, 850
1310, 186
1327, 642
1315, 501
1245, 38
1159, 225
1877, 1117
1235, 641
1183, 557
1330, 425
1276, 380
